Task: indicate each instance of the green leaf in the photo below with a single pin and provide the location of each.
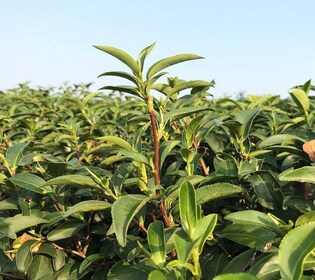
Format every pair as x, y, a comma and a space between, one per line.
299, 203
253, 217
30, 182
15, 153
303, 174
305, 218
66, 230
6, 231
165, 148
246, 118
24, 256
121, 74
191, 84
8, 204
127, 89
122, 56
267, 267
87, 206
59, 260
301, 99
278, 140
267, 189
240, 262
204, 229
169, 61
215, 191
156, 240
143, 55
294, 248
188, 208
19, 222
249, 235
90, 260
124, 210
41, 268
190, 132
123, 270
187, 155
183, 248
236, 276
120, 175
117, 141
157, 275
134, 156
183, 112
76, 180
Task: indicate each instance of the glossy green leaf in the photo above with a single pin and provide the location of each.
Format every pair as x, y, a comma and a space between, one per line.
294, 248
156, 240
236, 276
188, 208
301, 99
169, 61
87, 206
117, 141
24, 256
204, 229
76, 180
216, 191
122, 56
123, 270
240, 262
249, 235
305, 218
267, 189
15, 153
66, 230
157, 275
253, 217
124, 210
30, 182
303, 174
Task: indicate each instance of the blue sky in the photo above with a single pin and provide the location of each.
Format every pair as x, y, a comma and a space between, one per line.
260, 47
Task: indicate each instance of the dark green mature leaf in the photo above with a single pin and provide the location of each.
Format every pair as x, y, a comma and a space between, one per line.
76, 180
30, 182
156, 240
216, 191
294, 248
267, 267
6, 231
90, 260
249, 235
15, 153
267, 189
66, 230
165, 148
87, 206
125, 271
124, 210
122, 56
240, 262
303, 174
19, 222
120, 175
24, 256
169, 61
41, 268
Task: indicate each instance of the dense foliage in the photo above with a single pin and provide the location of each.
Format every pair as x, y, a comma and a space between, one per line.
117, 184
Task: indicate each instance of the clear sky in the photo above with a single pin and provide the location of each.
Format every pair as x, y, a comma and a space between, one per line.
259, 47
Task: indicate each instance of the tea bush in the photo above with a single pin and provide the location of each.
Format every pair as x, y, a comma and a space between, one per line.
120, 184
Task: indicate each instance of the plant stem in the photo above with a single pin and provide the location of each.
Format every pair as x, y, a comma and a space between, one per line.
156, 143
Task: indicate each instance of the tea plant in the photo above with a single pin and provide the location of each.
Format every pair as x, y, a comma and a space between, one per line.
124, 185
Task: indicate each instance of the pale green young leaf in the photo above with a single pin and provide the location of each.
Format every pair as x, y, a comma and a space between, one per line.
122, 56
301, 99
305, 218
143, 55
294, 248
236, 276
247, 118
169, 61
117, 141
